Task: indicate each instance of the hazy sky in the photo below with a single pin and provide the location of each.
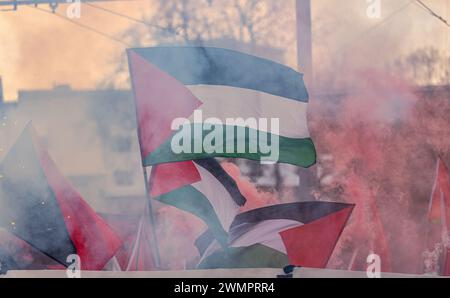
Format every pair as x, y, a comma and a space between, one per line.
39, 50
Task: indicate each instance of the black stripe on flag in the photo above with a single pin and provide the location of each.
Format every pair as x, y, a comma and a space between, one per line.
216, 66
214, 167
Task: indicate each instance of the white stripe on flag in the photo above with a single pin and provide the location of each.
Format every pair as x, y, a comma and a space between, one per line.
221, 200
224, 102
267, 233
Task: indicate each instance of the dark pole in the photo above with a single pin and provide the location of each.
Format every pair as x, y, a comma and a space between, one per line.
304, 60
304, 39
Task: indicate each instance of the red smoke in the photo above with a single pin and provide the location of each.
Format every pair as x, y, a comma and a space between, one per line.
383, 137
255, 198
177, 232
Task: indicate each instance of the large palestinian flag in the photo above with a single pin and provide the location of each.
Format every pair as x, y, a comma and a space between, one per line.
301, 234
208, 87
202, 188
39, 206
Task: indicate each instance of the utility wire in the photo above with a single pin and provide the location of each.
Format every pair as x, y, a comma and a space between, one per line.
86, 27
14, 4
428, 9
376, 26
169, 30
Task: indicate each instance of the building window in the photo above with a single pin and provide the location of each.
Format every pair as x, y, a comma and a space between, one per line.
123, 178
122, 144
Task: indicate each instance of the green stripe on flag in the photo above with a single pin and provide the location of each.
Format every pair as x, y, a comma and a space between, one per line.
255, 256
191, 200
298, 152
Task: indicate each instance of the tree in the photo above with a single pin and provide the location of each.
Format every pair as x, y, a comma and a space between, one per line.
195, 22
425, 66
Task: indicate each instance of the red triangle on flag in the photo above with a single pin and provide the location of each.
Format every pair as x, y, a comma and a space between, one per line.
160, 99
172, 176
312, 244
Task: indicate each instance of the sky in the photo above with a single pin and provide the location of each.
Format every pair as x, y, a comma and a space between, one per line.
39, 50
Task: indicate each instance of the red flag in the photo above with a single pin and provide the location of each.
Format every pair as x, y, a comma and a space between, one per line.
318, 239
95, 242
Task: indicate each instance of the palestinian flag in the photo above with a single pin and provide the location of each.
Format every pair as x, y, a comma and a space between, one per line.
224, 97
301, 234
39, 206
202, 188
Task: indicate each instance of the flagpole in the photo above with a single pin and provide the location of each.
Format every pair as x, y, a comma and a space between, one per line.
148, 188
147, 182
